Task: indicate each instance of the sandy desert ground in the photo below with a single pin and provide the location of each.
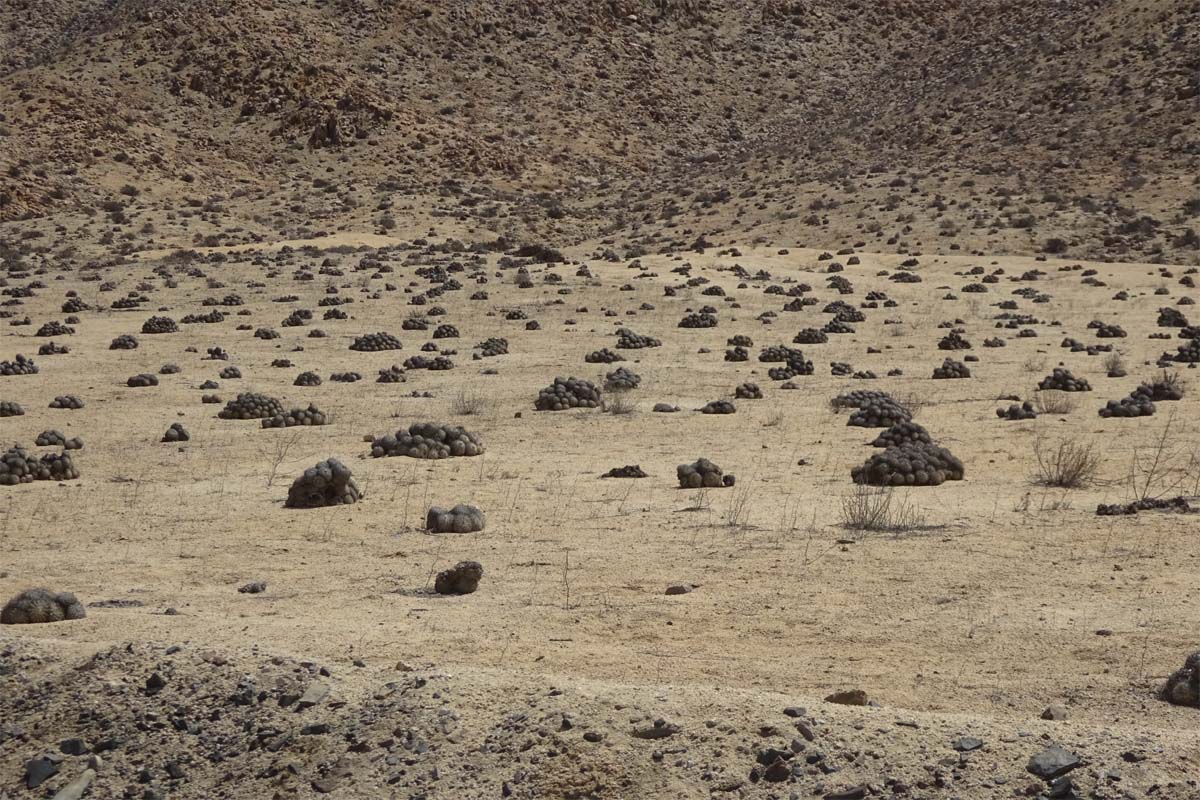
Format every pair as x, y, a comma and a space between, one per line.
998, 599
861, 200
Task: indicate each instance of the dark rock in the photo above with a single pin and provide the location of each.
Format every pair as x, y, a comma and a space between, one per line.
853, 793
1055, 713
1061, 787
1053, 762
849, 697
38, 771
73, 747
778, 771
661, 729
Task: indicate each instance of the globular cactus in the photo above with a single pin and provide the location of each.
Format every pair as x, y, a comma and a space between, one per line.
36, 606
460, 519
328, 483
462, 578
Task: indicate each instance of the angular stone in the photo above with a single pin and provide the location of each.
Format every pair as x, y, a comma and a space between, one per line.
313, 695
73, 747
76, 788
1053, 762
1055, 713
849, 697
853, 793
661, 729
965, 744
38, 771
778, 771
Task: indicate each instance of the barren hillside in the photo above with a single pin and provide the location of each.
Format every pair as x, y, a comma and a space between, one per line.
994, 125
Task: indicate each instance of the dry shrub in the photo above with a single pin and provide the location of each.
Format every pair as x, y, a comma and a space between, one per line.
912, 403
836, 405
1172, 379
1067, 464
1114, 363
1053, 401
737, 515
1163, 465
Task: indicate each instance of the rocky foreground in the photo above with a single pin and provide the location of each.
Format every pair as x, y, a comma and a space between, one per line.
143, 720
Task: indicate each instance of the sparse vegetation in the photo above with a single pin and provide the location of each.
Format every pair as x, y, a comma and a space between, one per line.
1033, 364
1066, 464
620, 403
212, 213
1162, 465
1053, 401
469, 403
737, 513
870, 509
913, 403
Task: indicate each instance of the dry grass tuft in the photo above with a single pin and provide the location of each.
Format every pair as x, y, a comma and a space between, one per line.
1053, 401
469, 403
1033, 364
620, 403
874, 509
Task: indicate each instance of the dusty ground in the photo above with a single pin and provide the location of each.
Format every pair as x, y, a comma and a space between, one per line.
1009, 598
189, 149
